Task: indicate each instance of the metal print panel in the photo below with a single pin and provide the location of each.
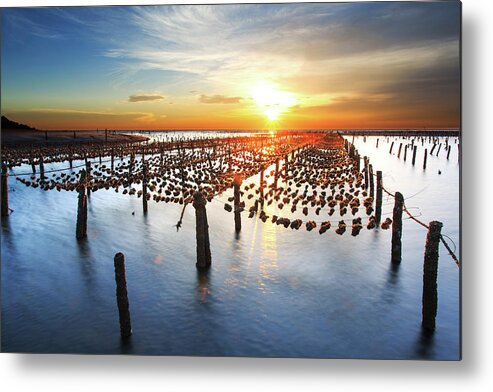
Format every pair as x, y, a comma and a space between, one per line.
260, 180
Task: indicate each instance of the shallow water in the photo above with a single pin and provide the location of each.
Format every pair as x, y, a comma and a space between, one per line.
271, 291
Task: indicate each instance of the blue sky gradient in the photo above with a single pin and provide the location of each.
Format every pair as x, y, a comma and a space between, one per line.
344, 65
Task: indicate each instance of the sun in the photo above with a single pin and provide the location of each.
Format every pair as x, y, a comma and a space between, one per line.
272, 101
271, 113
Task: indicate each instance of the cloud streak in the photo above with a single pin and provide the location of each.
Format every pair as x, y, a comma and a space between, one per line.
219, 99
145, 97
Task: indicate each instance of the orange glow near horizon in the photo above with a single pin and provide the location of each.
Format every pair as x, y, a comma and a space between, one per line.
268, 67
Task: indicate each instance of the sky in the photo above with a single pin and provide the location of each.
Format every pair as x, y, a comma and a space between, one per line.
241, 66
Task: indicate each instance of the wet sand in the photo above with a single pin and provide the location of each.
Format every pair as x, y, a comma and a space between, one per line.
27, 136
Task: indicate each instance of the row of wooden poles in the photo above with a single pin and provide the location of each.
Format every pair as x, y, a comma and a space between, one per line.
414, 148
430, 264
75, 134
204, 259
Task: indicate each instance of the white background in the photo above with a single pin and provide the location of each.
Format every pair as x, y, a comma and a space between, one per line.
85, 373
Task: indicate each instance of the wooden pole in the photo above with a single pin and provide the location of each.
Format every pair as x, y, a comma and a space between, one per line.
262, 185
430, 271
391, 147
377, 142
88, 176
365, 160
372, 181
144, 186
448, 152
414, 154
425, 158
201, 232
276, 174
378, 208
81, 229
41, 168
5, 190
399, 153
405, 153
122, 296
397, 228
236, 185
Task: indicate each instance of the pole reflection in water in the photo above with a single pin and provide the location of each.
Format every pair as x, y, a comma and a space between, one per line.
203, 285
273, 291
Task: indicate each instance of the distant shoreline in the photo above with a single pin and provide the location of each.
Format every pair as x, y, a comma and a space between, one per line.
11, 137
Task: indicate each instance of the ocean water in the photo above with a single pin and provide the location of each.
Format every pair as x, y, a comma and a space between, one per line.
271, 291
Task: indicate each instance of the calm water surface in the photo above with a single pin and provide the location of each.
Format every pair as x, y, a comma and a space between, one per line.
271, 291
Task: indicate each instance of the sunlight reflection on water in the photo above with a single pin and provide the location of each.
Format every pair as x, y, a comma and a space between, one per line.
271, 291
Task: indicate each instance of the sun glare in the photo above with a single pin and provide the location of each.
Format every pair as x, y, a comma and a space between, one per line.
272, 101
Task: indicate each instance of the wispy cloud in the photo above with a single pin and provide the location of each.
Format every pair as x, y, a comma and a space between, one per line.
145, 97
138, 116
241, 42
219, 99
